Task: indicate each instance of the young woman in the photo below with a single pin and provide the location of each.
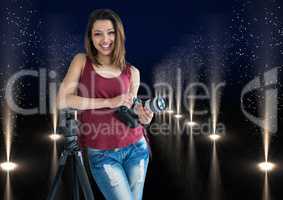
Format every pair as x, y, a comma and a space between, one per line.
97, 83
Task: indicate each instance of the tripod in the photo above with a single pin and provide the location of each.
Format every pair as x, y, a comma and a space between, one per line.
71, 150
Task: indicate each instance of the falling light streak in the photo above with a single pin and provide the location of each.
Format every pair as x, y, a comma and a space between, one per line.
192, 167
8, 132
266, 193
8, 189
54, 120
55, 137
191, 103
270, 110
215, 179
215, 105
170, 102
266, 135
178, 93
266, 141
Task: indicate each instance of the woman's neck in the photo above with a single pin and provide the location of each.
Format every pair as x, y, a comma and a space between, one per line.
104, 60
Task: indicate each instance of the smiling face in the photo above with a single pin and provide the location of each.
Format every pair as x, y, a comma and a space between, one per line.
103, 37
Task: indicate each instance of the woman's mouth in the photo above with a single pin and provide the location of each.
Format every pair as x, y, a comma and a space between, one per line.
106, 46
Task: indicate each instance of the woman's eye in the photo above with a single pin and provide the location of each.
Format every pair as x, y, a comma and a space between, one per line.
112, 32
96, 34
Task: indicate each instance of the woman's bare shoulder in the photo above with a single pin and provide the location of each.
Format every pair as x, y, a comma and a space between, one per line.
78, 61
134, 70
133, 67
80, 57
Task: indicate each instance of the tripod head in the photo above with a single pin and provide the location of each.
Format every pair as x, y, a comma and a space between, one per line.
68, 127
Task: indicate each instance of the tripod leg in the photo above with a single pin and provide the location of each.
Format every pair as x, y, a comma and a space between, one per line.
55, 182
83, 179
76, 194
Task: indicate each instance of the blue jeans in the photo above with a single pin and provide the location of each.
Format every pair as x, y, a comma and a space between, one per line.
120, 173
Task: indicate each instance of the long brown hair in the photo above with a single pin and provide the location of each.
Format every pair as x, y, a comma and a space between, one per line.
118, 54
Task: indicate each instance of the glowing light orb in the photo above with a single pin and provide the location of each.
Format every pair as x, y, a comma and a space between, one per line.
170, 111
8, 166
178, 116
54, 136
266, 166
191, 123
214, 137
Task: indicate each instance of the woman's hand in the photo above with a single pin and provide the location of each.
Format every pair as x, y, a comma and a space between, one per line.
145, 115
122, 100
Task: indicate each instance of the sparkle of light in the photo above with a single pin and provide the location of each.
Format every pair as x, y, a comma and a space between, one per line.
54, 136
266, 166
191, 123
8, 166
214, 137
170, 111
178, 116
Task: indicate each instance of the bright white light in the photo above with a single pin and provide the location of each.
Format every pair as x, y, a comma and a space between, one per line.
170, 111
266, 166
178, 116
191, 123
214, 137
54, 136
8, 166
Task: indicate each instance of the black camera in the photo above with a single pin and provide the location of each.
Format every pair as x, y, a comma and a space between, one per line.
128, 115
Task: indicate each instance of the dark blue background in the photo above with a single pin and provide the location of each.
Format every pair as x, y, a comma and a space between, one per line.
247, 37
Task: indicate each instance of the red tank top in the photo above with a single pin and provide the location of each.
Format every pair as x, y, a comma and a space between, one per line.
100, 128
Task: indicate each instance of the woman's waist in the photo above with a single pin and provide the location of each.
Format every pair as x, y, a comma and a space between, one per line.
134, 142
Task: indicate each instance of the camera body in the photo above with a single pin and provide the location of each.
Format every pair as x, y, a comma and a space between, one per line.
129, 116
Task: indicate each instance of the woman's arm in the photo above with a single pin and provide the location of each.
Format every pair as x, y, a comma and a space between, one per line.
135, 81
67, 95
145, 115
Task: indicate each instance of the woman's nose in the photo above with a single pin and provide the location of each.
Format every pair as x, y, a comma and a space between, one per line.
106, 38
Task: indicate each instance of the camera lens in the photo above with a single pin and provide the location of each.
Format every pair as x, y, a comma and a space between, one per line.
161, 103
158, 104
